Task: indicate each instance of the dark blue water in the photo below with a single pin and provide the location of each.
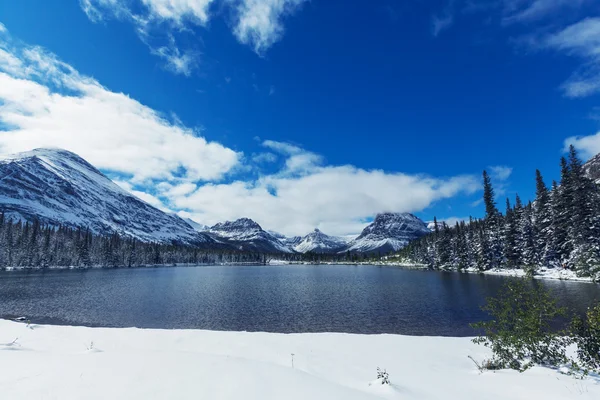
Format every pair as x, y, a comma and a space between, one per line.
356, 299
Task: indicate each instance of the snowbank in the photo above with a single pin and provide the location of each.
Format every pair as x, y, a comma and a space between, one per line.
59, 362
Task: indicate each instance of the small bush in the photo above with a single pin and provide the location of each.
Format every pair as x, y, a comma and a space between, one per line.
586, 334
383, 375
519, 332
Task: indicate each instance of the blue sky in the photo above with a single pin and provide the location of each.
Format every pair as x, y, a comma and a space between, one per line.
304, 114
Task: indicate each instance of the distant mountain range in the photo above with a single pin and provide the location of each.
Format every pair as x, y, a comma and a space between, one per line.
58, 187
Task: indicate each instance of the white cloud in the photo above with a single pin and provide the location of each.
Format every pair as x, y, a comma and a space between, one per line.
49, 104
587, 146
299, 161
500, 172
337, 199
259, 22
178, 10
283, 147
2, 27
499, 175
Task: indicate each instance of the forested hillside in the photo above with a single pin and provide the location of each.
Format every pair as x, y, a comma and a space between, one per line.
32, 245
559, 229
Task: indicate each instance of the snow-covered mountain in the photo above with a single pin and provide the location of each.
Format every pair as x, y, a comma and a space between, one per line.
318, 242
245, 234
592, 168
60, 188
388, 232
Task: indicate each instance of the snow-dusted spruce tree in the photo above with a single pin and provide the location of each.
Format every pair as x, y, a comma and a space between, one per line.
444, 247
563, 214
554, 232
527, 239
482, 250
511, 253
493, 225
542, 223
462, 259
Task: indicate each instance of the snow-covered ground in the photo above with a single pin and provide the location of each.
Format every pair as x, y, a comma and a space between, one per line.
59, 362
542, 273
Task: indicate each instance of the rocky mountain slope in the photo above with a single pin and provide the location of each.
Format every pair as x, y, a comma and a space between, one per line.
388, 232
318, 242
592, 168
245, 234
60, 188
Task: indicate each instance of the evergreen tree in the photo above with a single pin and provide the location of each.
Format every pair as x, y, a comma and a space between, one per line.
511, 253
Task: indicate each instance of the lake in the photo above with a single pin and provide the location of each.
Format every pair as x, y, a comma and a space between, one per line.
288, 298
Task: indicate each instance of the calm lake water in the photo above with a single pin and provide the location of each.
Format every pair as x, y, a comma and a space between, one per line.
354, 299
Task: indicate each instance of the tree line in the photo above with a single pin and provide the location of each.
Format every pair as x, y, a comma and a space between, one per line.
559, 229
33, 245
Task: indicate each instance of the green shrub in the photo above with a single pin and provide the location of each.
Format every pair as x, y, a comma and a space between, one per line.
586, 334
520, 332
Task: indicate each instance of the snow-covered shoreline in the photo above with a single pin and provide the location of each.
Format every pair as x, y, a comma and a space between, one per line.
542, 273
63, 362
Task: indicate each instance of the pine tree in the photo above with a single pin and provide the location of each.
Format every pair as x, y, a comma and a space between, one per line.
542, 217
511, 254
493, 226
563, 208
527, 240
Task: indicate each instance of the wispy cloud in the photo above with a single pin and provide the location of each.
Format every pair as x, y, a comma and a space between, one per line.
442, 21
500, 172
257, 23
565, 26
582, 40
265, 157
177, 61
533, 10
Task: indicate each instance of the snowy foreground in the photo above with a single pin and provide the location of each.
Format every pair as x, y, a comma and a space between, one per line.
60, 362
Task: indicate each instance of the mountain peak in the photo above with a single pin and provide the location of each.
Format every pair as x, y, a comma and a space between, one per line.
58, 187
389, 232
237, 225
319, 242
